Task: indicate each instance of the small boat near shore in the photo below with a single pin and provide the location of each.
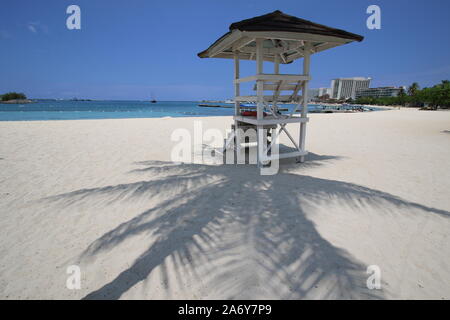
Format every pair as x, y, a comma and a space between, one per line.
214, 106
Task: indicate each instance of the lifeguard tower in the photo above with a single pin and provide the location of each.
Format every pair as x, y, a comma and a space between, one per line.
279, 38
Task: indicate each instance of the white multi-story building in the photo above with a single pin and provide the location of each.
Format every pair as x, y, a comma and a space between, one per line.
324, 91
319, 92
345, 88
379, 92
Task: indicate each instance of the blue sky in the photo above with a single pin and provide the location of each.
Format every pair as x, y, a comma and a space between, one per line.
128, 49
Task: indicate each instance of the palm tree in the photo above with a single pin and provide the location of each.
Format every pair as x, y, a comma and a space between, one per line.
401, 96
413, 88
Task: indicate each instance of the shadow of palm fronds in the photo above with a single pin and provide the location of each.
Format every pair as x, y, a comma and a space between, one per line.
245, 235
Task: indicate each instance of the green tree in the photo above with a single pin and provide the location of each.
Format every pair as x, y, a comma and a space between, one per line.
413, 88
401, 96
13, 96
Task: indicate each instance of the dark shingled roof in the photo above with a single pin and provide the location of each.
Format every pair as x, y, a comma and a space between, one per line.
279, 21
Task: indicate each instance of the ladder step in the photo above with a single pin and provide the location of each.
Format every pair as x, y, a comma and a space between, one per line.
282, 98
273, 87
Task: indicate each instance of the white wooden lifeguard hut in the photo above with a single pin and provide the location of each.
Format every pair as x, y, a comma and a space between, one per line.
279, 38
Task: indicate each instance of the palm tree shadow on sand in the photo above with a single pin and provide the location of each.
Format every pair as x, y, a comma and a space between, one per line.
258, 223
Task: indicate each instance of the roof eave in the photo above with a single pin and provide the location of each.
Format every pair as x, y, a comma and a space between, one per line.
230, 38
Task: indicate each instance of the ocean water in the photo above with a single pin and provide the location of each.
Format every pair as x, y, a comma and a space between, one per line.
74, 110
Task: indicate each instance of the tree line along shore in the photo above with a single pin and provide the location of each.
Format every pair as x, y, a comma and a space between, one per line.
14, 97
435, 97
432, 98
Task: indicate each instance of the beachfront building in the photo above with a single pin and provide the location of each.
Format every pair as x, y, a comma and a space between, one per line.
345, 88
379, 92
280, 39
318, 92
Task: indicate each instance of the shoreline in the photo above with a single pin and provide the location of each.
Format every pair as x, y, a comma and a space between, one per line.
15, 101
144, 112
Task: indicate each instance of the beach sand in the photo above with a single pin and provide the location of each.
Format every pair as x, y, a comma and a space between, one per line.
104, 195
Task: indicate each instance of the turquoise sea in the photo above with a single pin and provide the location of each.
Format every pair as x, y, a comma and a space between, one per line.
73, 110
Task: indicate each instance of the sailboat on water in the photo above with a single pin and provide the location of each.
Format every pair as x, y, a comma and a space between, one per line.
153, 99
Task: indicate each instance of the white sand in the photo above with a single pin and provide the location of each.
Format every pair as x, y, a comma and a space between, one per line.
103, 194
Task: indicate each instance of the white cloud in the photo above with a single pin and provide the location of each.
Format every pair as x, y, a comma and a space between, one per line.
32, 28
37, 27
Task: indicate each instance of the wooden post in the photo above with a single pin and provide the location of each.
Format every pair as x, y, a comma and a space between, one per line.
275, 131
236, 85
237, 109
259, 99
276, 64
276, 70
306, 64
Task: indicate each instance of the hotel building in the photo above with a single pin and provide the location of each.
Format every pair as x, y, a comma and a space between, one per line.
319, 92
378, 92
345, 88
